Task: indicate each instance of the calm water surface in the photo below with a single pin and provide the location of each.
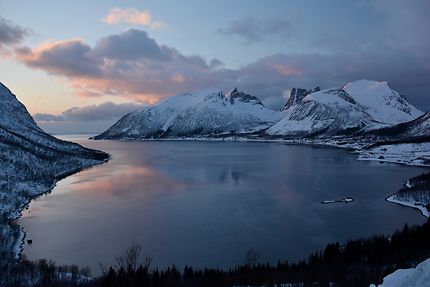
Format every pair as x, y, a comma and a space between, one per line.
206, 204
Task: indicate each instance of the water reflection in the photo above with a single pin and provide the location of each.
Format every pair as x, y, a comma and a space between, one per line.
229, 176
206, 204
125, 181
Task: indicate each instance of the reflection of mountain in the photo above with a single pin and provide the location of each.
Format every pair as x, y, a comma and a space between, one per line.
230, 176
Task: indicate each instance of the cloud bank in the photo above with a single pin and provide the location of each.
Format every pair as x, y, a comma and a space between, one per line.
132, 64
87, 119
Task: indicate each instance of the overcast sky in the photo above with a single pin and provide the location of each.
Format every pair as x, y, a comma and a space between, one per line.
80, 65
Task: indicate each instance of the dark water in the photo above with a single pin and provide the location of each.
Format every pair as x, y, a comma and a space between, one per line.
206, 204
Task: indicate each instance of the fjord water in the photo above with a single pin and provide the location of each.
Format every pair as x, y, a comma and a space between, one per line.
208, 203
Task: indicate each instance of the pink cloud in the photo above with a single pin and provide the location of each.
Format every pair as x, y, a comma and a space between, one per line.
132, 16
287, 70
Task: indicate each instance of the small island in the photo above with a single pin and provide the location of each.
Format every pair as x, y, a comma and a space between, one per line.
347, 199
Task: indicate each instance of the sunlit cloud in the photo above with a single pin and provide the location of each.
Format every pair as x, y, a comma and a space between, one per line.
70, 58
132, 16
132, 65
128, 64
287, 70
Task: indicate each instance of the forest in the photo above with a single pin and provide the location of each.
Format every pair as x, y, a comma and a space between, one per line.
355, 263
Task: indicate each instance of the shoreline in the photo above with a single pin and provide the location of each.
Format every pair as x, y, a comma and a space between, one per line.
361, 149
422, 209
18, 248
350, 148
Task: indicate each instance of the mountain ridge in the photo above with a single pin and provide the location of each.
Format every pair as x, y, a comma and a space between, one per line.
205, 113
351, 110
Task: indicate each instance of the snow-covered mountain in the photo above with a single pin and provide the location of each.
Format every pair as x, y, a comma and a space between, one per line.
415, 130
31, 160
355, 108
297, 95
381, 102
201, 113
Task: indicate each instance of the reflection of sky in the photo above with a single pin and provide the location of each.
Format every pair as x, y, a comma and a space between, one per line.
125, 181
204, 203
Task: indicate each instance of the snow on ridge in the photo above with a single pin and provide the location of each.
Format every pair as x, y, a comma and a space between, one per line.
5, 93
360, 106
381, 102
204, 112
329, 96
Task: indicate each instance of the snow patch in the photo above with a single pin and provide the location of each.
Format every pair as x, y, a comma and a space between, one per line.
413, 277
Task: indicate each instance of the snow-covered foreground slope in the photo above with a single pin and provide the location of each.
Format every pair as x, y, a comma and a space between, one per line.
355, 108
413, 277
31, 161
202, 113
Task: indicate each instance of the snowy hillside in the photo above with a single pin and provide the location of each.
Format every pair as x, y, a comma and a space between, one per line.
32, 160
201, 113
415, 129
357, 107
328, 112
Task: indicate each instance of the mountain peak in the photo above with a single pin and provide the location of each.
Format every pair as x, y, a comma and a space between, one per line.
202, 113
6, 94
383, 103
297, 95
235, 95
234, 91
364, 84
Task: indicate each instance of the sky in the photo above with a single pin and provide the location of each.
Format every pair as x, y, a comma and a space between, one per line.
78, 66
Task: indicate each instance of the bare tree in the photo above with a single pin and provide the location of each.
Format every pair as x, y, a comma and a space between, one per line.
147, 260
252, 258
103, 269
132, 258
